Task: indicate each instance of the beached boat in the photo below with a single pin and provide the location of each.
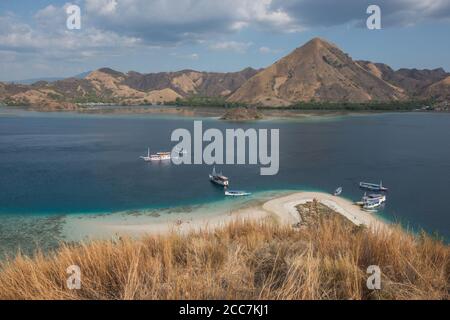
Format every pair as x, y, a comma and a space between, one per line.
218, 178
234, 193
373, 204
160, 156
373, 186
338, 191
370, 197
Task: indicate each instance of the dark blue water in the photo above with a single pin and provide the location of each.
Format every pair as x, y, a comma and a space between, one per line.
66, 163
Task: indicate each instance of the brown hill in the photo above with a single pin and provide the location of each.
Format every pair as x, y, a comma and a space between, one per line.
316, 71
414, 81
107, 85
439, 91
190, 82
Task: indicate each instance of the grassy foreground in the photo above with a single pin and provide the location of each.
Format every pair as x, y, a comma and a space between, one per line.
244, 260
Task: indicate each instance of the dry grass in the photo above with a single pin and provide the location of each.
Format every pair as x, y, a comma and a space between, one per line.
245, 260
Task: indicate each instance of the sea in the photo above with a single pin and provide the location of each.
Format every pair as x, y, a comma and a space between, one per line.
58, 164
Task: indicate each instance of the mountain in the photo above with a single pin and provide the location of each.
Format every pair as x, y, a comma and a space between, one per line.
109, 86
48, 79
439, 91
317, 71
132, 88
414, 81
190, 82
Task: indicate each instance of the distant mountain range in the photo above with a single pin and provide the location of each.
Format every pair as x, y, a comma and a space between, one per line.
318, 71
48, 79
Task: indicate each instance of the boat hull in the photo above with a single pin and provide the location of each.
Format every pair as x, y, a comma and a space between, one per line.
237, 193
218, 181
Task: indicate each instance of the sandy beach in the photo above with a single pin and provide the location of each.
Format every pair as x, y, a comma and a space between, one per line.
281, 209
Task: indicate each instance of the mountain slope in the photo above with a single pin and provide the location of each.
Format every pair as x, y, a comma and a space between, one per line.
190, 82
414, 81
316, 71
107, 85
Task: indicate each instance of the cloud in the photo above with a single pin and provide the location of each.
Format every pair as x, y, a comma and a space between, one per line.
235, 46
191, 56
48, 36
327, 13
267, 50
162, 21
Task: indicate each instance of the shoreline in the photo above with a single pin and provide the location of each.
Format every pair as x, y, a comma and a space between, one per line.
280, 209
212, 112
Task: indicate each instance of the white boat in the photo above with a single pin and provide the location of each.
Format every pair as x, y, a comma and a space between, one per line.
372, 205
219, 178
338, 191
148, 157
369, 197
372, 202
235, 193
373, 186
160, 156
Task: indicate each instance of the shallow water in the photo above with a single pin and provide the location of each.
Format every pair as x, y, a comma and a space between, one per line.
54, 164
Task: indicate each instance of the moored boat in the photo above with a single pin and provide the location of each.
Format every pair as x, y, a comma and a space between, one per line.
372, 186
160, 156
218, 178
235, 193
338, 191
147, 157
372, 202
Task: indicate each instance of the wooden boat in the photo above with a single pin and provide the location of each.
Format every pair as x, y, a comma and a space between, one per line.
219, 178
373, 186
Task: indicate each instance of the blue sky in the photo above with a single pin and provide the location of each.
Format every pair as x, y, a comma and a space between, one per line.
212, 35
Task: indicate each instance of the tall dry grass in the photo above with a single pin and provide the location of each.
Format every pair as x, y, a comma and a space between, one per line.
244, 260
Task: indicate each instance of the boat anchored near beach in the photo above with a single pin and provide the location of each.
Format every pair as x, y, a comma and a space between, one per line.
372, 186
236, 193
219, 178
372, 202
338, 191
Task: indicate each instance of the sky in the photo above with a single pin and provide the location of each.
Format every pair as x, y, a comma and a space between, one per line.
212, 35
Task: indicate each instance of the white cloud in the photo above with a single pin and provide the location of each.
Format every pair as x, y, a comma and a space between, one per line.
235, 46
186, 20
267, 50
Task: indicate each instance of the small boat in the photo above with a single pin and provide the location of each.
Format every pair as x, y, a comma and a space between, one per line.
219, 178
160, 156
369, 197
373, 186
338, 191
148, 157
234, 193
373, 204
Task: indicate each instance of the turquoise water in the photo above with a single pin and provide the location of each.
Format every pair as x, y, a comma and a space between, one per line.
54, 164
